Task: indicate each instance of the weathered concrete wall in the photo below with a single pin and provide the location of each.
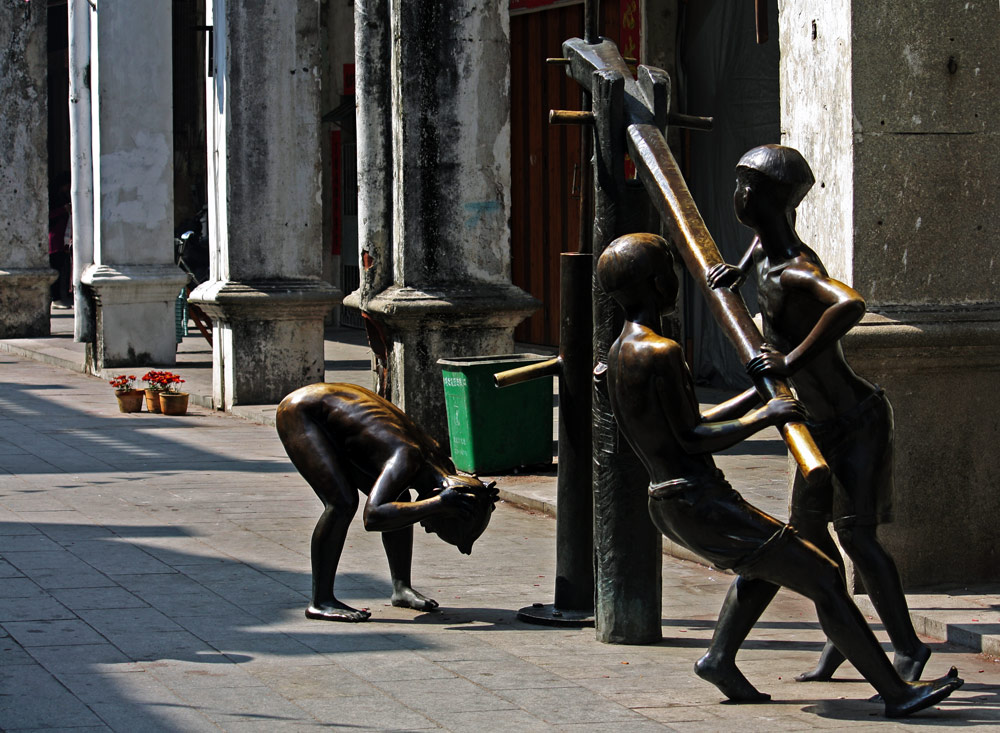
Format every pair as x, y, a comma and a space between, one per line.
133, 130
451, 142
927, 130
24, 267
266, 294
274, 182
895, 106
440, 286
817, 119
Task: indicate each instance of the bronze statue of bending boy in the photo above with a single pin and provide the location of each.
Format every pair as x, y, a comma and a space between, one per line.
652, 396
343, 439
805, 314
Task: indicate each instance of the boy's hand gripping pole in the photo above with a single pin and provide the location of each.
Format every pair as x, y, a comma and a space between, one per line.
646, 102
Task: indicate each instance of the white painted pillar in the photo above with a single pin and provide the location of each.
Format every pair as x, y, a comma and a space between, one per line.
134, 279
265, 294
895, 106
24, 197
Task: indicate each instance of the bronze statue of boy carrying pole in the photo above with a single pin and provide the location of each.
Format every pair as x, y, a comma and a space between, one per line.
805, 314
343, 439
652, 395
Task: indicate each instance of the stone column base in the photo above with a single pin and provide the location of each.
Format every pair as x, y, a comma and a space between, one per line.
422, 326
268, 337
135, 314
940, 369
24, 302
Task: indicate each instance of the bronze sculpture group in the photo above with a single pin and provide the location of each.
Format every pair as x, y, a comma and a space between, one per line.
343, 439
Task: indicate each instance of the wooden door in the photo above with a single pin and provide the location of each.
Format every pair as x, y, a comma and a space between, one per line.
545, 159
545, 163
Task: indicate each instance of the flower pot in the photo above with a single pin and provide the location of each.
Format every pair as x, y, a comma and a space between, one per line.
174, 403
130, 401
153, 400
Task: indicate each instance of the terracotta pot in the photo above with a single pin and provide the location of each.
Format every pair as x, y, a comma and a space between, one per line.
130, 401
174, 403
153, 400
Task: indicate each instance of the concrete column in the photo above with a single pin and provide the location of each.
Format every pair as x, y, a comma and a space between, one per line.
133, 278
444, 284
24, 197
895, 106
265, 294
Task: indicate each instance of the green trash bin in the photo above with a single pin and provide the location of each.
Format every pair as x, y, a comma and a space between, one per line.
493, 429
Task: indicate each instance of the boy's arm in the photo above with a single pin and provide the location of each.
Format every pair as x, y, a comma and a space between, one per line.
738, 406
383, 513
693, 431
844, 308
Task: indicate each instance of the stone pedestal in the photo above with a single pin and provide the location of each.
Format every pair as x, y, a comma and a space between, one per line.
434, 213
896, 109
265, 294
24, 268
133, 278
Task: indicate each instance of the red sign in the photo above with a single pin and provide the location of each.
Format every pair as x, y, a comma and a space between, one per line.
631, 29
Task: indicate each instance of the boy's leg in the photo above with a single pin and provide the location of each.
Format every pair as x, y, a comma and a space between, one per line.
799, 567
881, 579
398, 546
813, 527
314, 456
745, 602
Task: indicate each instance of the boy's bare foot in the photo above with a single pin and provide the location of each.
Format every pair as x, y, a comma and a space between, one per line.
910, 667
336, 611
924, 694
829, 661
730, 681
408, 598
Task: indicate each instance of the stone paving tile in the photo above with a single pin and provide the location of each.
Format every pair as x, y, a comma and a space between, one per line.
79, 658
21, 587
509, 721
153, 718
81, 599
32, 608
59, 632
52, 705
366, 711
312, 682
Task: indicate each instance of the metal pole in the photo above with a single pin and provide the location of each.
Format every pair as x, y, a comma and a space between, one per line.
574, 591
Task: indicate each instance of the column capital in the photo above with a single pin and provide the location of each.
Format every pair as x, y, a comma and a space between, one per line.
266, 300
490, 305
134, 283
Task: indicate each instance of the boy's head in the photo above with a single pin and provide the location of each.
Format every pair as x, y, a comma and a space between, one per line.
770, 179
459, 532
635, 266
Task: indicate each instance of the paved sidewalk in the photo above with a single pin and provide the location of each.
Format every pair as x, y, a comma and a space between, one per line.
154, 571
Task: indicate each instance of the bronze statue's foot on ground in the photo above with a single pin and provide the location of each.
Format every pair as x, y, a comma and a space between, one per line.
336, 611
924, 694
910, 667
730, 681
409, 598
829, 661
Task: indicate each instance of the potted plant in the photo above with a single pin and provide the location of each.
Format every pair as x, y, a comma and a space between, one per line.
172, 400
129, 398
156, 382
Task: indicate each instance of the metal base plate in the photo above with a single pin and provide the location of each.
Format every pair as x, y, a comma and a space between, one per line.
546, 614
